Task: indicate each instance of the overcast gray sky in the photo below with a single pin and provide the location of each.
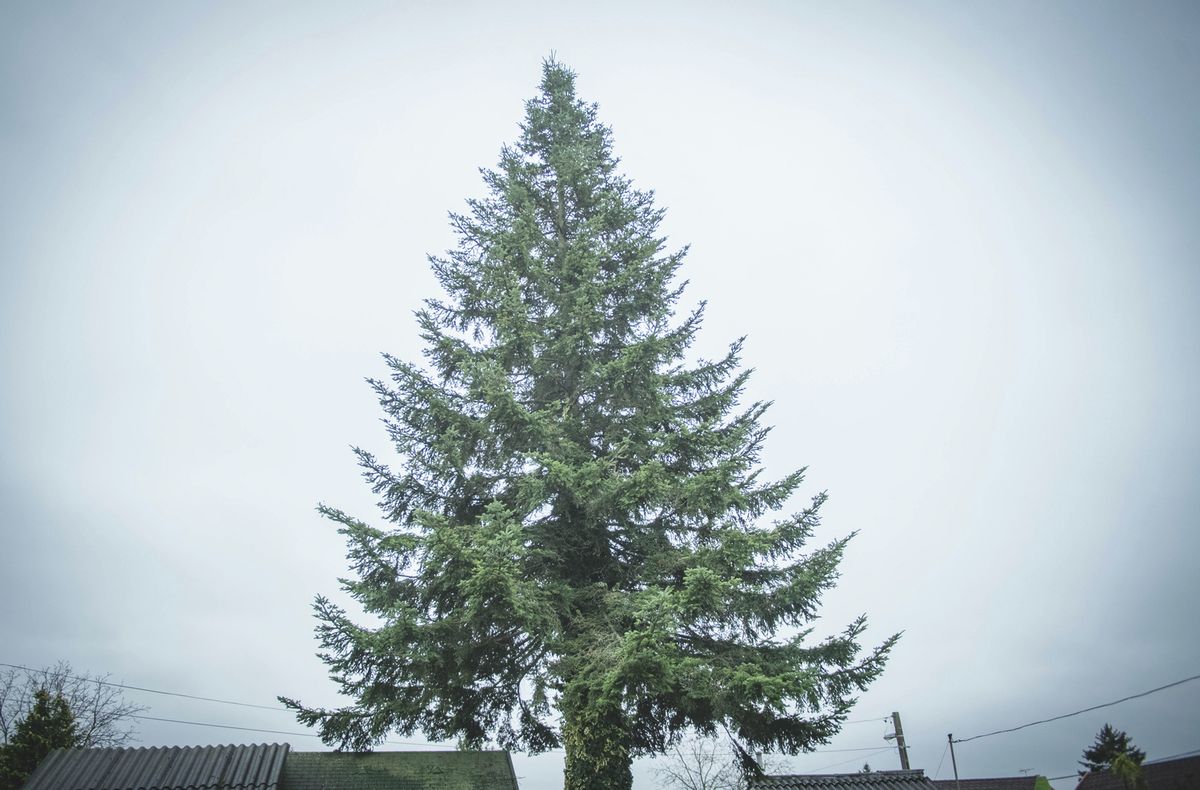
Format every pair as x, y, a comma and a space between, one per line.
961, 237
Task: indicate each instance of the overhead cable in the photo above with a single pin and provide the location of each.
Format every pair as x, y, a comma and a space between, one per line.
280, 708
277, 732
1077, 712
938, 772
102, 682
853, 759
1144, 763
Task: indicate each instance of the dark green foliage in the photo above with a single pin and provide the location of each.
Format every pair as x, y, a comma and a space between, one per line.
48, 725
1109, 744
576, 552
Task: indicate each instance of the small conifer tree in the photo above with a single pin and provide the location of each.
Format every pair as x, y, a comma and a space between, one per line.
48, 725
1109, 744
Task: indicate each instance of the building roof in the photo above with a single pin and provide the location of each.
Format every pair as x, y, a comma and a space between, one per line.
254, 767
998, 783
269, 767
442, 770
1179, 774
875, 780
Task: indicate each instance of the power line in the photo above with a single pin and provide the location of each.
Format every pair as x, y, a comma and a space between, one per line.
277, 708
1171, 757
275, 732
835, 751
871, 749
1146, 762
828, 751
938, 772
280, 708
853, 759
1077, 712
227, 726
102, 682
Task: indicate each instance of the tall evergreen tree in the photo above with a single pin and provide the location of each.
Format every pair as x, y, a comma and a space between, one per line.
575, 522
1109, 744
48, 725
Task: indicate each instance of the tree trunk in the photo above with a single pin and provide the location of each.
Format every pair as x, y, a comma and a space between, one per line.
597, 743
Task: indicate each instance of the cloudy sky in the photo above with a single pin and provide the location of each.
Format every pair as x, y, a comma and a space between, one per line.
962, 239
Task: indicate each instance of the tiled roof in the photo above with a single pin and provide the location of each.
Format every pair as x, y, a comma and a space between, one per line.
1181, 774
999, 783
875, 780
399, 771
255, 767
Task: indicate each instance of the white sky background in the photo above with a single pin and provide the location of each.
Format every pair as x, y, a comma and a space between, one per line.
962, 239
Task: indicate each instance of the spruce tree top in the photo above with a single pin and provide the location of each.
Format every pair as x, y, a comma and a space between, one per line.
576, 521
1109, 743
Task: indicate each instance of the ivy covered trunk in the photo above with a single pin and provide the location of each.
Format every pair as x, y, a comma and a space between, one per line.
578, 546
596, 737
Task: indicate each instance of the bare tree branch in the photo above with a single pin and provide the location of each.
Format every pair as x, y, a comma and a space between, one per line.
700, 764
103, 717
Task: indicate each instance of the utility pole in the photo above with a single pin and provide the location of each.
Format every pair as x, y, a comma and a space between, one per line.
950, 738
900, 740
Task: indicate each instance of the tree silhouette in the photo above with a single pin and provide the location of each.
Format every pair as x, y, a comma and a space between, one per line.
48, 725
1109, 744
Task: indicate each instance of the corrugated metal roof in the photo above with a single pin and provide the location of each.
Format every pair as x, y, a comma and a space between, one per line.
876, 780
253, 767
